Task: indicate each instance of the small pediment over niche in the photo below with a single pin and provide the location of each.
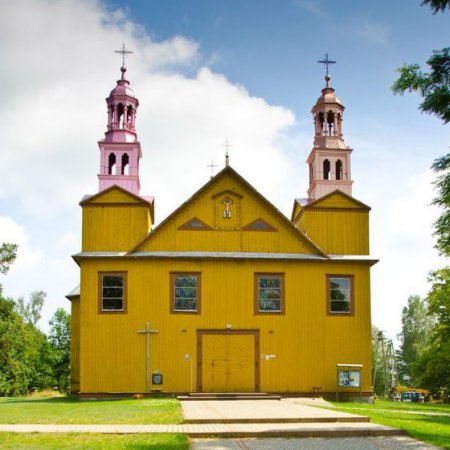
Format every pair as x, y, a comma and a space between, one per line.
195, 224
259, 225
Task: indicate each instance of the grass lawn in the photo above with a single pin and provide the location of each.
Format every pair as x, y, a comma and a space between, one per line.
93, 441
432, 428
66, 410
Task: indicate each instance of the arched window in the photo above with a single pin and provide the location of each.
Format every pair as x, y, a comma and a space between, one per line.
111, 164
330, 123
125, 164
339, 170
120, 111
129, 114
326, 170
321, 120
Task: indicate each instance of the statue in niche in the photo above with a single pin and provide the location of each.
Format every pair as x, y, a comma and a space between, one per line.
227, 211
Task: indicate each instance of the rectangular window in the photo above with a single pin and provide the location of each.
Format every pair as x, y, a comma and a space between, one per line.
269, 293
185, 292
340, 294
112, 295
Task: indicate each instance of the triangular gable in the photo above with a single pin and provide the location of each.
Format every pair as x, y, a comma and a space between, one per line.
276, 218
333, 201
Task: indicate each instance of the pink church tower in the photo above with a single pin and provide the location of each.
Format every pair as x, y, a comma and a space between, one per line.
329, 161
120, 150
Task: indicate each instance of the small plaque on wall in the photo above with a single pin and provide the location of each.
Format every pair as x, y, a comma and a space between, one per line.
157, 378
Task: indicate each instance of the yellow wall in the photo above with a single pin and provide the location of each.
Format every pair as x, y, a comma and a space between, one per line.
114, 227
337, 232
306, 341
75, 345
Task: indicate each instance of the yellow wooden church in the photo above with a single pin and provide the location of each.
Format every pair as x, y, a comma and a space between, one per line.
226, 294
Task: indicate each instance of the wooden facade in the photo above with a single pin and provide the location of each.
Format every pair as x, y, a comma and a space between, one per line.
224, 235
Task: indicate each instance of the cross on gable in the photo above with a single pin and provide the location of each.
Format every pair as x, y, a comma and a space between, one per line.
327, 62
124, 52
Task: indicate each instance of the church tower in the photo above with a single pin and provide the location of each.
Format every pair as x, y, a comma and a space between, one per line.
329, 160
120, 150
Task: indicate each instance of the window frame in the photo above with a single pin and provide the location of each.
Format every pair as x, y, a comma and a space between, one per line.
351, 278
124, 275
172, 293
282, 309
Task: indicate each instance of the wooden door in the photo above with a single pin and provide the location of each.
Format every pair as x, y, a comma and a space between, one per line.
229, 362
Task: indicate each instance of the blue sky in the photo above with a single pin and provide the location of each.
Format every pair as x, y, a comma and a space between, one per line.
205, 70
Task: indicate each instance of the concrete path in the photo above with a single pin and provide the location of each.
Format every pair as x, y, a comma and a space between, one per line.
288, 410
218, 430
368, 443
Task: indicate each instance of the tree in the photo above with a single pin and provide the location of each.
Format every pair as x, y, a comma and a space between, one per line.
437, 5
442, 199
433, 87
31, 310
417, 326
59, 338
432, 368
8, 253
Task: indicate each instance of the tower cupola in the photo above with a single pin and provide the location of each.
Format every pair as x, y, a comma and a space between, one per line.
329, 160
120, 150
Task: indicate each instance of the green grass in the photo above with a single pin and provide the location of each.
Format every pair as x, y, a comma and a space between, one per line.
66, 410
434, 429
83, 441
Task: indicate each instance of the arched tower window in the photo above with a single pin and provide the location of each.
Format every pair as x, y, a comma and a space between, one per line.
339, 170
326, 170
321, 120
125, 164
111, 164
330, 123
120, 111
129, 115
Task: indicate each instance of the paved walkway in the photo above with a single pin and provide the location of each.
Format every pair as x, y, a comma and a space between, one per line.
368, 443
260, 411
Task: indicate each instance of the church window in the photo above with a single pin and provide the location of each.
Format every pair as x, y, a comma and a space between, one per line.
112, 288
269, 293
125, 164
111, 164
185, 292
330, 123
120, 114
338, 169
326, 169
340, 294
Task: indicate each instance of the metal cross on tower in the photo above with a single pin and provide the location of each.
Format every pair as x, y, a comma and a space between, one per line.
147, 333
124, 52
327, 62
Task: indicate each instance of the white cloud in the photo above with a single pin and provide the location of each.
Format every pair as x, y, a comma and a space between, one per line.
13, 233
373, 32
57, 68
311, 6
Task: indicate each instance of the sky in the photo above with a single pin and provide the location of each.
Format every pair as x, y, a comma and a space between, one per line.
204, 71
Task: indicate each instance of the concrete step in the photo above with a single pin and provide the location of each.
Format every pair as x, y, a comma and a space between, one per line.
299, 420
193, 396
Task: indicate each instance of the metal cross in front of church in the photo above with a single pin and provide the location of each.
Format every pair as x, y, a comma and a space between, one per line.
124, 52
327, 62
212, 165
148, 331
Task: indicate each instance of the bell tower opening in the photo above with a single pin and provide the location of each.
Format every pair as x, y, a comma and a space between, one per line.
326, 169
111, 164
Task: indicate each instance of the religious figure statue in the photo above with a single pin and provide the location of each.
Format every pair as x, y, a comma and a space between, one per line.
227, 211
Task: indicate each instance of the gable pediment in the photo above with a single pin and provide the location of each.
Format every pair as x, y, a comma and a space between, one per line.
230, 208
114, 195
336, 200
